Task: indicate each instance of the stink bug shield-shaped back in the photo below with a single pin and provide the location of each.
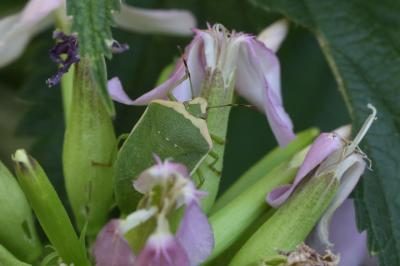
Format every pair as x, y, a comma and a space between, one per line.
168, 129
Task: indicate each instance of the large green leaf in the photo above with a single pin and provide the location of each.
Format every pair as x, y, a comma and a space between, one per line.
359, 41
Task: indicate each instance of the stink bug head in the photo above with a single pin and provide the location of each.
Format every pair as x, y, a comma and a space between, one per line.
197, 107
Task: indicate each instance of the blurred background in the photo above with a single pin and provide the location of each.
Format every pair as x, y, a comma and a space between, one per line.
31, 113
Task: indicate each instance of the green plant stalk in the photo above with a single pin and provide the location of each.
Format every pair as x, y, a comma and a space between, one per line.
63, 24
88, 154
49, 210
291, 224
8, 259
216, 94
225, 257
249, 205
266, 164
67, 91
17, 227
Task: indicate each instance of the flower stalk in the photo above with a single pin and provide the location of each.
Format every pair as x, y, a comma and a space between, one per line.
49, 210
216, 94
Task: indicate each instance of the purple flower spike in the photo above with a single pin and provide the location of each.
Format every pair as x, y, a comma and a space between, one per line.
323, 146
195, 234
111, 248
66, 45
162, 249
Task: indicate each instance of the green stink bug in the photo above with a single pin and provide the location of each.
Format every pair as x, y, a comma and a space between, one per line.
169, 129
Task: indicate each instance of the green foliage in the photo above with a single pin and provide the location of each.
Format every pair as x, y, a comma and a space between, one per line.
360, 41
168, 130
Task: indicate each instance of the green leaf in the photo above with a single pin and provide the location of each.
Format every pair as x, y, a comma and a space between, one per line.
360, 41
92, 20
165, 129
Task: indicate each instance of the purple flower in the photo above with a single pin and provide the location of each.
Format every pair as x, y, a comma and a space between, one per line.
241, 59
111, 248
331, 154
162, 249
348, 242
193, 241
16, 30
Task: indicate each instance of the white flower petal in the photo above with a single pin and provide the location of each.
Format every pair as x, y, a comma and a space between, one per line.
16, 30
135, 19
275, 34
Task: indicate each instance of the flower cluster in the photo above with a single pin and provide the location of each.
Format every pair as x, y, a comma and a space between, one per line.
242, 59
167, 188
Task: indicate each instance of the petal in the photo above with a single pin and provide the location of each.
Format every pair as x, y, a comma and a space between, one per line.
135, 19
348, 172
273, 36
162, 250
16, 30
111, 248
35, 10
348, 242
118, 94
194, 55
158, 174
177, 84
258, 80
322, 147
195, 234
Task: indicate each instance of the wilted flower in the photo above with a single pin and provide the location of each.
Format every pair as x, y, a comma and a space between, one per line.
65, 45
16, 30
166, 187
239, 58
330, 153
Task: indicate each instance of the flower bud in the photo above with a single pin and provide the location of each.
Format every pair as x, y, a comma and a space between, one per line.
89, 150
49, 210
17, 229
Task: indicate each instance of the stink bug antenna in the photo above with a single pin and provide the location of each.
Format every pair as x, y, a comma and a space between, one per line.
232, 105
187, 70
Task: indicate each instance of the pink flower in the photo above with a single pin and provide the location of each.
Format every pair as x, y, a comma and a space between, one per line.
241, 59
